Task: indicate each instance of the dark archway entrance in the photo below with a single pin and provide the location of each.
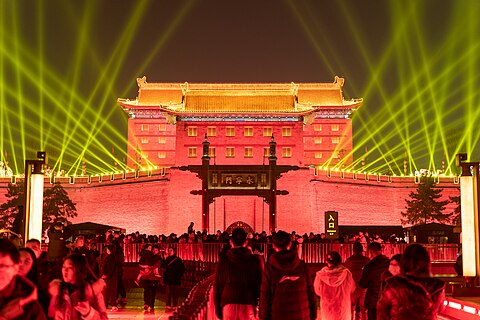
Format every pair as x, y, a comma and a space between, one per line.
239, 180
239, 224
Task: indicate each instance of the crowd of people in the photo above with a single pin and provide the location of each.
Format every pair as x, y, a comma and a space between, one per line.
76, 281
362, 287
72, 280
192, 236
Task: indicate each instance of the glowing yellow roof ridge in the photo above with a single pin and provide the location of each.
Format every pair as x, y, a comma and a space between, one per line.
240, 97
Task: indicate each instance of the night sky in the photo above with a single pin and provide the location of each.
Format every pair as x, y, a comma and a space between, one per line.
84, 54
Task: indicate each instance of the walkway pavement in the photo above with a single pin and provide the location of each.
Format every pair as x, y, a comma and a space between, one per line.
133, 309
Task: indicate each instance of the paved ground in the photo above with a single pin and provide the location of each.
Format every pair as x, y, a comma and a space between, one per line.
133, 309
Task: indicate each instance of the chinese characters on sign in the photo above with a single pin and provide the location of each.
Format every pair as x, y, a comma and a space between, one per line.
235, 180
331, 224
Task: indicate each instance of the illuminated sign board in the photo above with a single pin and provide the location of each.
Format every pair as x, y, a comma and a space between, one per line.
331, 224
239, 180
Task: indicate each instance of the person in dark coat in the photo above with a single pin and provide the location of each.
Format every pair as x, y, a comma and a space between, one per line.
109, 274
42, 264
415, 294
120, 258
372, 277
172, 277
18, 295
355, 264
145, 263
238, 278
150, 280
57, 249
287, 288
28, 269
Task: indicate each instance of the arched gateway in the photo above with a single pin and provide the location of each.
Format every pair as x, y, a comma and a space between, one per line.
240, 224
239, 180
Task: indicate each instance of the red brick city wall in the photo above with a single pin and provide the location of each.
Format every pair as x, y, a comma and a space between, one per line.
163, 204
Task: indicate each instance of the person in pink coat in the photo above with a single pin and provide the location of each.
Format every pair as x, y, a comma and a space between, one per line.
335, 285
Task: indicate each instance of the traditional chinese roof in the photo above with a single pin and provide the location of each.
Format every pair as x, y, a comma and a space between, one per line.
232, 98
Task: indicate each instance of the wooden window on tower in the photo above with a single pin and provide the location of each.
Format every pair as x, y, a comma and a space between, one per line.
162, 140
144, 127
230, 132
144, 140
317, 140
317, 127
212, 131
192, 152
266, 152
211, 152
335, 140
248, 152
335, 127
318, 155
162, 154
162, 127
267, 131
286, 152
286, 131
192, 131
230, 152
248, 132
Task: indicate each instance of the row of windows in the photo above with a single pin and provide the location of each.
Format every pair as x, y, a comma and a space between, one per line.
319, 127
267, 131
146, 127
247, 131
247, 152
319, 155
230, 153
319, 140
163, 140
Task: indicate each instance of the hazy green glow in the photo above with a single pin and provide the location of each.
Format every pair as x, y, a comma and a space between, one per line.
76, 127
432, 111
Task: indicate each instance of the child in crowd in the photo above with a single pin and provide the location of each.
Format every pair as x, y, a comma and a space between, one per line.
146, 262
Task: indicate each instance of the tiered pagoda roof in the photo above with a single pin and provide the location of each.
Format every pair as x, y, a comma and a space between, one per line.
190, 99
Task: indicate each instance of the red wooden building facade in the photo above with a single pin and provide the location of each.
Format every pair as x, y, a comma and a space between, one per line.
310, 122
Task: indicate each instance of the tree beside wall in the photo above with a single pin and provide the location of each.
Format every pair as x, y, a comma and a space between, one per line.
57, 206
425, 205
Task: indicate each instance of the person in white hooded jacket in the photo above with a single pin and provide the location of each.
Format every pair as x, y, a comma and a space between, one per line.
334, 284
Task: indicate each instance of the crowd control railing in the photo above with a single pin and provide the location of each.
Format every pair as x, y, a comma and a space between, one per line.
199, 303
309, 252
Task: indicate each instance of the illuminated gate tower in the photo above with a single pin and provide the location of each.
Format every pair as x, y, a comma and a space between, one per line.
310, 122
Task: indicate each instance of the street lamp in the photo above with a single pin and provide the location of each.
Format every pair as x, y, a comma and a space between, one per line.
34, 177
469, 197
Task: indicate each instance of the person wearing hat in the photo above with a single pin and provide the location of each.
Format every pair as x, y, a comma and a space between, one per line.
355, 264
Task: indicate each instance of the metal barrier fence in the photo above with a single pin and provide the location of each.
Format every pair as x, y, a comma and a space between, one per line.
309, 252
199, 303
